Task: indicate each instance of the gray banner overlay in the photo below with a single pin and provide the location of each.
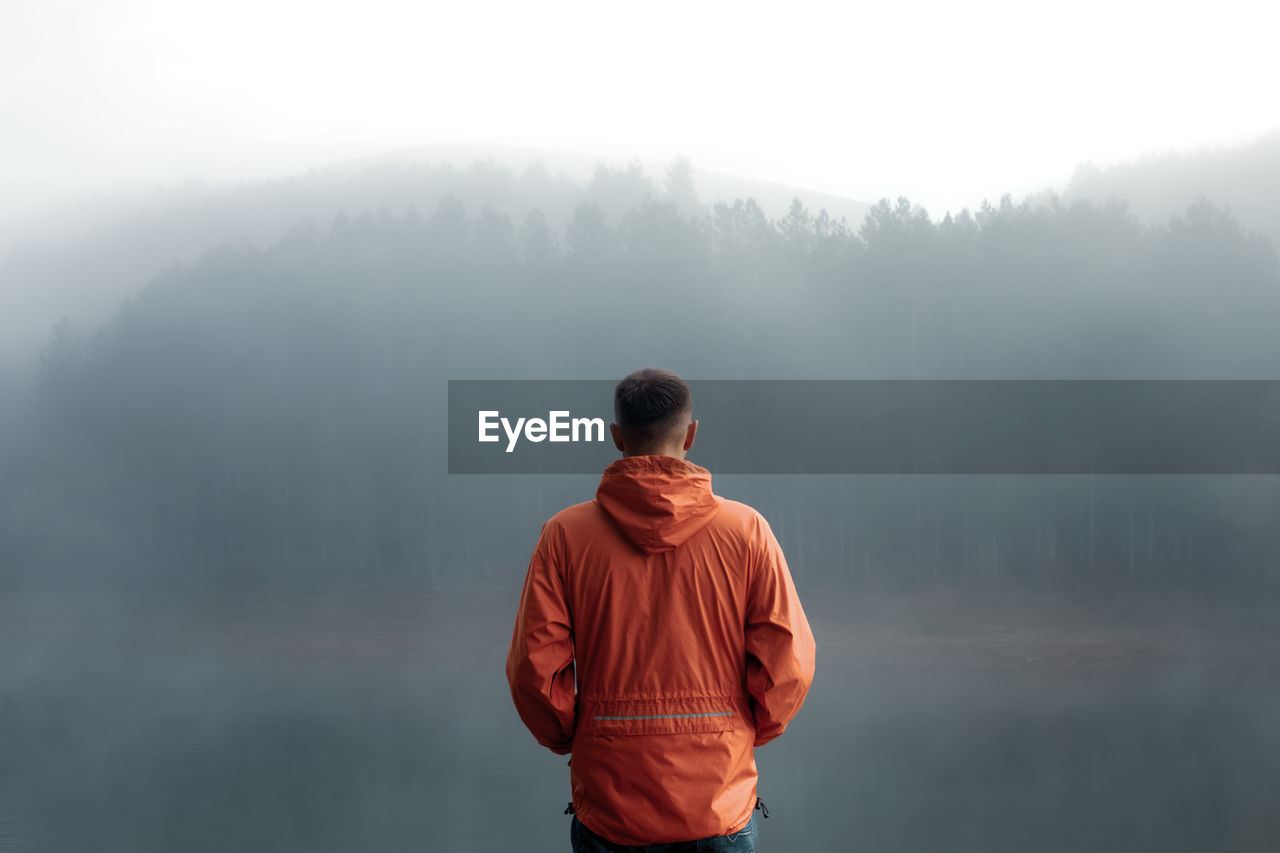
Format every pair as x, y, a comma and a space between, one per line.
888, 426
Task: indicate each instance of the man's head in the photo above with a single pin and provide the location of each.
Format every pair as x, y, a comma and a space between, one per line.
653, 408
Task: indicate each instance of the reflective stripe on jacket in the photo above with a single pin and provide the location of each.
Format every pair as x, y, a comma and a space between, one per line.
659, 639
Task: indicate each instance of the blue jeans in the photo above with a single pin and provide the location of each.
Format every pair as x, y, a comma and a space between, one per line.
742, 841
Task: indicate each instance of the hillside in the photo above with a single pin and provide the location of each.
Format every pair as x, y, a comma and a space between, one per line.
80, 261
1245, 179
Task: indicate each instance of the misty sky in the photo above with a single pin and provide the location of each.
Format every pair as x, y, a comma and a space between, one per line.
945, 102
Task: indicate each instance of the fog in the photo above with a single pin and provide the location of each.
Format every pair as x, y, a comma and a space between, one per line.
1241, 178
944, 104
78, 260
244, 605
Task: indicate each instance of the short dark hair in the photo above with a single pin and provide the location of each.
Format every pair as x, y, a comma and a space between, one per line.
648, 404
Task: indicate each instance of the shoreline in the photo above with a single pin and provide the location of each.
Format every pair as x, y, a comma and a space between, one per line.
939, 629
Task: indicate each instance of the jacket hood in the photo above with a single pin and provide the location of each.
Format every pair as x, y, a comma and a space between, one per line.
658, 501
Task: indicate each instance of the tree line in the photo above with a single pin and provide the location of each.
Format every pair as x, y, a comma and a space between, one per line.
271, 416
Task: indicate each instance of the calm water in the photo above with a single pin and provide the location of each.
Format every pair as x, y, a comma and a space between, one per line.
345, 732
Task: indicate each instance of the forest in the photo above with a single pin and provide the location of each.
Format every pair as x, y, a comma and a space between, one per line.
270, 416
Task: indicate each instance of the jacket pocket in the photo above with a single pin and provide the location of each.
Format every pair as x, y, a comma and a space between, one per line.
660, 716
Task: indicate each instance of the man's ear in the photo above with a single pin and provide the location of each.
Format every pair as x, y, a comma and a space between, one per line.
617, 437
689, 434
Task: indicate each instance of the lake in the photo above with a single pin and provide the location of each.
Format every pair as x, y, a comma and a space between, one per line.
938, 721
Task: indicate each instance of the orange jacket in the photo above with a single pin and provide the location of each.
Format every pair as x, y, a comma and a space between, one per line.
675, 612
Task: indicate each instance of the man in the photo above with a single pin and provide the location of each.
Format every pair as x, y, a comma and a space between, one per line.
675, 611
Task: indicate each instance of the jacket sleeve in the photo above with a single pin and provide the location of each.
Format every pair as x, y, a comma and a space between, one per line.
540, 666
779, 643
